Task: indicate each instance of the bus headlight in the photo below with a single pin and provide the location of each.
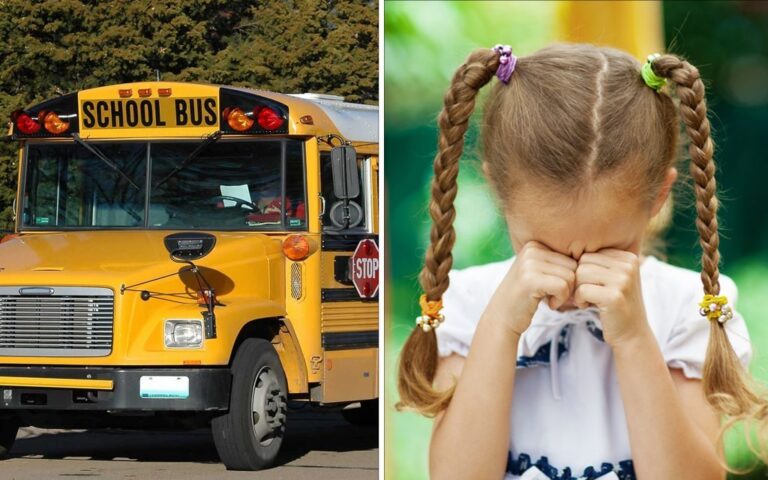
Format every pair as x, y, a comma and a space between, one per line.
183, 333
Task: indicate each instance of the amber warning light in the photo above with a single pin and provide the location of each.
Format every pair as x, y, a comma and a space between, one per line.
296, 247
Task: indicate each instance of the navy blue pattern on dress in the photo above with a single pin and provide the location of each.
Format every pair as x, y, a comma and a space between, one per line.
595, 330
625, 470
541, 357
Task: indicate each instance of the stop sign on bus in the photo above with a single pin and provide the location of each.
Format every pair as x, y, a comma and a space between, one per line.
364, 268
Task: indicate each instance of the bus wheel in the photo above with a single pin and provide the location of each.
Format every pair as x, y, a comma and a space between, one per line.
367, 414
9, 428
249, 436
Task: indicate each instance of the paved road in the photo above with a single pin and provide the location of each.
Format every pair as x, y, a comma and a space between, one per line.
319, 445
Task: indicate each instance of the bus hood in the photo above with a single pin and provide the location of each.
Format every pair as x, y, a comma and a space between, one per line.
115, 258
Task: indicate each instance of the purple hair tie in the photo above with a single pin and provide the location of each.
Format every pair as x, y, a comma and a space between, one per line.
507, 62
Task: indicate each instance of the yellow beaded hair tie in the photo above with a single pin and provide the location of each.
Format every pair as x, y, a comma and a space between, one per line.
716, 308
430, 313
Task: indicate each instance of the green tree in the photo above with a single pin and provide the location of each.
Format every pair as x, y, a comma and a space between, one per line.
51, 47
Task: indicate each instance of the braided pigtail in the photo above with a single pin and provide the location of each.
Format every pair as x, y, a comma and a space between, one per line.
419, 357
724, 380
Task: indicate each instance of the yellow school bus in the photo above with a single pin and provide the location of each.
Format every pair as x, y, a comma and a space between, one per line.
189, 255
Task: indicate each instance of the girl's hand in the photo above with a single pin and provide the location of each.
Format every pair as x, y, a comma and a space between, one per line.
610, 280
536, 273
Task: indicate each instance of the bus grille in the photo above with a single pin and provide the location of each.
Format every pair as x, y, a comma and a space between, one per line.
56, 321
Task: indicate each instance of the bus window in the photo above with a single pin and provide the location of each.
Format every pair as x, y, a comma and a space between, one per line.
357, 204
230, 185
68, 186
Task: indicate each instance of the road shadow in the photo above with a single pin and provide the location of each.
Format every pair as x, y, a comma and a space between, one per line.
314, 430
307, 430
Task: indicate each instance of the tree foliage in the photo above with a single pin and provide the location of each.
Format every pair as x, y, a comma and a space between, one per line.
51, 47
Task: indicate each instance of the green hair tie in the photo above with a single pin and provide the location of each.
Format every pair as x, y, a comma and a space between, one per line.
649, 76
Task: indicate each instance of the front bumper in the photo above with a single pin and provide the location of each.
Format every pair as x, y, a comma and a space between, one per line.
113, 389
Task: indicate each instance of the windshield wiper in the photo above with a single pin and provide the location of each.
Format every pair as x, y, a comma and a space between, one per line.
104, 159
212, 138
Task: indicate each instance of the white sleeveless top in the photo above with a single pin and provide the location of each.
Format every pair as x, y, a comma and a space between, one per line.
567, 418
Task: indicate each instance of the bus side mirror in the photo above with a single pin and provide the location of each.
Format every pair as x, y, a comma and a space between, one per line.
346, 178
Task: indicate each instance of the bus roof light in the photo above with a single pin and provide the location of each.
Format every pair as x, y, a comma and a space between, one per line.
26, 124
145, 92
54, 124
268, 118
125, 92
307, 120
164, 92
237, 119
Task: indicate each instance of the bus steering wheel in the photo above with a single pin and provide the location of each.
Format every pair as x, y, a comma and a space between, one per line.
239, 202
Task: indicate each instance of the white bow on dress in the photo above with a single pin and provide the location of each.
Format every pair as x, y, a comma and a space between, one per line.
551, 327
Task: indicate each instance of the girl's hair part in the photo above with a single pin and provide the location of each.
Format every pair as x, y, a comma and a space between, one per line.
724, 379
419, 357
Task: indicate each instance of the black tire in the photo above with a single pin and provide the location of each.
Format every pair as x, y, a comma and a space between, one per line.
257, 379
9, 428
367, 414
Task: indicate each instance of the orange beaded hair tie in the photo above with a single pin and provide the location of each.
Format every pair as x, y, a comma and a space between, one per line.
716, 308
431, 317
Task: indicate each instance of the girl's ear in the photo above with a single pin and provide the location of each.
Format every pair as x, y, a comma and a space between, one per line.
663, 194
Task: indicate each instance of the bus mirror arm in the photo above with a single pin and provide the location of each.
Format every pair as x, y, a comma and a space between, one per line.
209, 295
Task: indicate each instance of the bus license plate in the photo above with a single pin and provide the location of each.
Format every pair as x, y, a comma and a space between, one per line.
164, 387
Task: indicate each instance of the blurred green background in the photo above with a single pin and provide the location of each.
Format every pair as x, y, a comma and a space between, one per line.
426, 41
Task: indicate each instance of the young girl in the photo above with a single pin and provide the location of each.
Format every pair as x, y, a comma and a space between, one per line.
580, 357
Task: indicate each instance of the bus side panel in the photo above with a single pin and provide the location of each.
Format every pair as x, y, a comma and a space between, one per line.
351, 375
350, 329
350, 362
349, 324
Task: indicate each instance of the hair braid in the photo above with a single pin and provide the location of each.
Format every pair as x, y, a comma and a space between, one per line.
693, 110
724, 379
453, 121
418, 361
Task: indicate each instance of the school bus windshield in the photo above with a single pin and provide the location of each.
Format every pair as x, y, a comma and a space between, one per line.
227, 185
